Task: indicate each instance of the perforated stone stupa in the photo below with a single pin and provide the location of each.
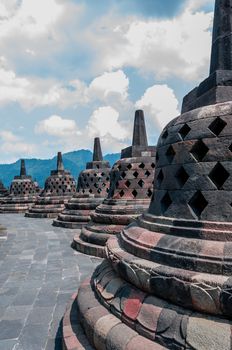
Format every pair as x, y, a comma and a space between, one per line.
59, 187
131, 185
3, 191
166, 283
92, 188
22, 193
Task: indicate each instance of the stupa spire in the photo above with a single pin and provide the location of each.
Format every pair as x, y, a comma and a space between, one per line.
221, 55
60, 165
217, 88
139, 133
97, 152
23, 168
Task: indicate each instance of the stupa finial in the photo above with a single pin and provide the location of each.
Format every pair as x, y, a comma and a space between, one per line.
97, 152
60, 165
23, 168
139, 133
221, 55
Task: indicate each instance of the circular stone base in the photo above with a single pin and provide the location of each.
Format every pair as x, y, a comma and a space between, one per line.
41, 215
103, 329
67, 224
88, 248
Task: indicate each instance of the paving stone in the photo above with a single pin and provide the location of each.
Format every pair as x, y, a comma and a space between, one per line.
33, 295
10, 329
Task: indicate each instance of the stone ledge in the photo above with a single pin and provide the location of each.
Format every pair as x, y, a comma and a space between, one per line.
88, 248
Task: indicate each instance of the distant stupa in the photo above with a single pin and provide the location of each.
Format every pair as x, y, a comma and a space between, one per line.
22, 193
131, 187
92, 188
59, 187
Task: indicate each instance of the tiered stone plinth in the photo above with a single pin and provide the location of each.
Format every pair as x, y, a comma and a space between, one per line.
92, 188
131, 187
58, 189
22, 194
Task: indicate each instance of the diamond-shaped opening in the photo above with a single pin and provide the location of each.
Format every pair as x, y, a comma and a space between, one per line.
127, 183
103, 184
184, 130
142, 166
199, 150
141, 183
90, 191
198, 203
121, 193
129, 166
160, 177
102, 174
170, 153
165, 202
230, 148
99, 190
182, 176
147, 173
165, 134
134, 192
98, 166
123, 175
217, 126
136, 174
96, 185
149, 193
153, 165
219, 175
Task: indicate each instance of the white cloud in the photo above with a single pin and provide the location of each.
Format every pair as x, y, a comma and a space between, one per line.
57, 126
28, 17
109, 84
160, 105
105, 121
164, 47
15, 146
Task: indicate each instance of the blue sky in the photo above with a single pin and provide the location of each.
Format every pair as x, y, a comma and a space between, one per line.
71, 70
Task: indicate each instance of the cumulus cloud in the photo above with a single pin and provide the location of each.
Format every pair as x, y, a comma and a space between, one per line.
29, 17
160, 105
15, 146
57, 126
176, 47
105, 121
109, 84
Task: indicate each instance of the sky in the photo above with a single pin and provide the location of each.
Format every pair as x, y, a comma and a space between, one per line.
71, 70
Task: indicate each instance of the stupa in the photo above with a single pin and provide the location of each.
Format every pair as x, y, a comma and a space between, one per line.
166, 283
59, 187
92, 188
3, 191
22, 193
131, 186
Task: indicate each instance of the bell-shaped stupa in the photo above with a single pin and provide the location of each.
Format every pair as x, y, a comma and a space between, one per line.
59, 187
22, 193
166, 283
92, 188
131, 186
3, 191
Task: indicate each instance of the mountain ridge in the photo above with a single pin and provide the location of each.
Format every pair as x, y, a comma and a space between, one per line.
40, 169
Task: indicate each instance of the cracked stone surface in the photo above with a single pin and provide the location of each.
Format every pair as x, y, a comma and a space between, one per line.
39, 272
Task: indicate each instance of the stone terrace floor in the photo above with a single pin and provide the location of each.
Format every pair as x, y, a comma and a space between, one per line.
39, 272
